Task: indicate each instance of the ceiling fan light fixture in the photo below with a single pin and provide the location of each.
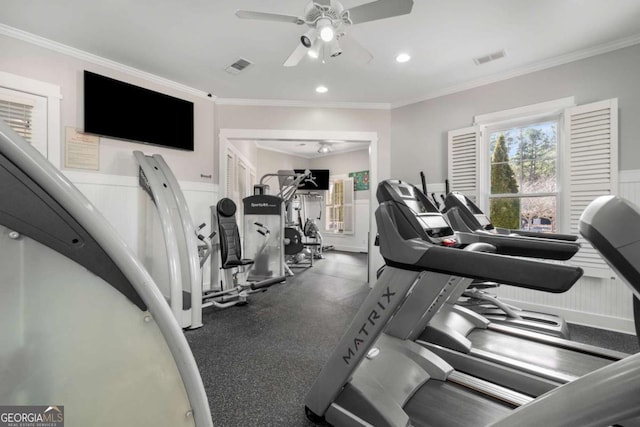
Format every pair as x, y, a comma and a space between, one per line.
314, 51
326, 29
334, 48
322, 89
308, 38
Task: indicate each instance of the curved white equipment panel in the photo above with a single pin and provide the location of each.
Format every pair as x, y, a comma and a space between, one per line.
84, 325
182, 283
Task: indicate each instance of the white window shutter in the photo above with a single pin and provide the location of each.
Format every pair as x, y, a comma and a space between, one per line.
590, 170
348, 205
463, 156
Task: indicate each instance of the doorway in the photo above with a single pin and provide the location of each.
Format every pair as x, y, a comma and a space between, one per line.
227, 136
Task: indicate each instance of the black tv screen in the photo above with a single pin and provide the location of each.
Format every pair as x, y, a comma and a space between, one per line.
319, 180
121, 110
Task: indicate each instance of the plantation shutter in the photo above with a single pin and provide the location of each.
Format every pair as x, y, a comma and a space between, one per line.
348, 206
17, 113
463, 161
591, 170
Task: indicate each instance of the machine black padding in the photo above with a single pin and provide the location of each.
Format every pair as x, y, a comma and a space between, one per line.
226, 207
230, 247
614, 231
523, 273
530, 246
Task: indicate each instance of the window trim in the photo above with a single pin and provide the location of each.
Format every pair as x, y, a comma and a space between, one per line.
520, 116
484, 178
53, 95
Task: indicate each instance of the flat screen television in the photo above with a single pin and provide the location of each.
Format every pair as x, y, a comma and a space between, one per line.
121, 110
319, 180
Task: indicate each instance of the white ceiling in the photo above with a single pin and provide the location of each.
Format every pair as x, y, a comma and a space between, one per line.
308, 149
192, 42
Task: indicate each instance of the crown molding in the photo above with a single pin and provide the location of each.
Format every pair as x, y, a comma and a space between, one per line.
301, 104
98, 60
527, 69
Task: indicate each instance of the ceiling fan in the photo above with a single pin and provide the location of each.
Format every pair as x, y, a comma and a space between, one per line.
327, 20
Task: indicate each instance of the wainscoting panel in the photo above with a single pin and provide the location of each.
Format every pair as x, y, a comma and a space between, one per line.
125, 206
601, 303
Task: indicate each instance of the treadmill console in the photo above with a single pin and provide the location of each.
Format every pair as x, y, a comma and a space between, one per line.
428, 217
473, 216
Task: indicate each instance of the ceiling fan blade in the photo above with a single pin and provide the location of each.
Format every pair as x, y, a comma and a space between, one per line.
353, 50
264, 16
379, 9
296, 56
323, 2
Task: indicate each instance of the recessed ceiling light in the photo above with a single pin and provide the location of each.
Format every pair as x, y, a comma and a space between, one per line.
324, 148
321, 89
403, 57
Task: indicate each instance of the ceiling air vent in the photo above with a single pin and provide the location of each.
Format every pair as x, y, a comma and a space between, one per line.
241, 64
491, 57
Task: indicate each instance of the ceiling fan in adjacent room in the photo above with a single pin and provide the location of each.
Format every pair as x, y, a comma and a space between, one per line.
327, 21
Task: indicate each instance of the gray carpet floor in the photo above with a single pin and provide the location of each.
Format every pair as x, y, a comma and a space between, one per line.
258, 361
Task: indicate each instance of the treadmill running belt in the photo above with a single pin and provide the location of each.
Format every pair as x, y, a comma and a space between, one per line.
561, 360
439, 404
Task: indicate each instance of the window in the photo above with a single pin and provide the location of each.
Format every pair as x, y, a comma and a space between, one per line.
27, 115
538, 167
340, 206
523, 168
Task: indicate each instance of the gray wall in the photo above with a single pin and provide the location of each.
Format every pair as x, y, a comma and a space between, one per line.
342, 164
419, 131
116, 158
272, 161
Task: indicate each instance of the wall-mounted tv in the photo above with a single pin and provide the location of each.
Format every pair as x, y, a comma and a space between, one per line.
319, 180
121, 110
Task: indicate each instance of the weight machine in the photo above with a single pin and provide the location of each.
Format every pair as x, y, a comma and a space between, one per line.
296, 247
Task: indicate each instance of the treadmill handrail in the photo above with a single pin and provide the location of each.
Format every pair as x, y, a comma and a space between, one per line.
539, 235
417, 254
525, 246
466, 210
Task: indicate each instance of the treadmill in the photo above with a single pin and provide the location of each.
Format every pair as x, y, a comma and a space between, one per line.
468, 221
524, 359
377, 376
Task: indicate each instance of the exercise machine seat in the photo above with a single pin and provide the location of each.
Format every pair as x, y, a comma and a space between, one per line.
230, 247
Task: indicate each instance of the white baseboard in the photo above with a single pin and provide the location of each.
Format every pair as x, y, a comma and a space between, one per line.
600, 321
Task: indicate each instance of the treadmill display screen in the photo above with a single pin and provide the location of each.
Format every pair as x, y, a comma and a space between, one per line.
434, 222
